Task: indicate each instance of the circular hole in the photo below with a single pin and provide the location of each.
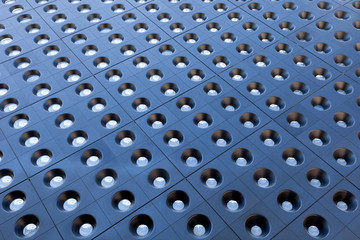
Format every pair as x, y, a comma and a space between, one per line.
228, 37
301, 61
169, 89
50, 8
101, 62
54, 178
186, 7
299, 88
296, 120
14, 201
141, 104
342, 60
213, 27
185, 104
33, 28
233, 200
221, 138
42, 39
65, 120
106, 178
118, 8
177, 200
141, 27
6, 178
68, 28
199, 17
266, 37
22, 63
72, 75
24, 18
84, 225
94, 18
270, 138
125, 138
97, 104
30, 138
13, 51
84, 89
27, 226
156, 120
31, 75
164, 17
261, 61
89, 50
344, 157
212, 89
320, 103
85, 8
343, 119
68, 201
191, 157
319, 137
110, 121
53, 105
244, 49
153, 38
249, 120
196, 75
304, 36
173, 138
230, 104
61, 62
181, 62
4, 88
357, 47
283, 48
305, 15
117, 38
141, 62
322, 48
324, 5
255, 6
199, 226
41, 157
155, 75
293, 157
141, 157
345, 201
275, 103
289, 201
141, 225
79, 39
19, 121
41, 90
237, 74
342, 15
317, 178
279, 74
342, 36
158, 178
211, 178
203, 120
343, 88
152, 8
242, 157
356, 24
177, 27
123, 201
321, 74
316, 226
77, 138
356, 4
257, 226
323, 25
167, 49
59, 18
9, 105
286, 26
114, 75
264, 178
220, 7
104, 27
191, 38
91, 157
270, 16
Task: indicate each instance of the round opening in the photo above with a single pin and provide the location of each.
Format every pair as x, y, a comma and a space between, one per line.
319, 137
299, 88
343, 88
77, 138
289, 201
279, 74
127, 89
345, 201
264, 178
301, 61
19, 121
249, 120
30, 138
97, 104
230, 104
27, 226
14, 201
141, 157
158, 178
106, 178
191, 157
41, 90
125, 138
203, 120
221, 62
54, 178
110, 121
177, 200
68, 201
343, 119
257, 226
304, 36
167, 49
91, 157
322, 48
196, 75
237, 74
212, 89
191, 38
283, 48
173, 138
141, 225
266, 37
41, 157
342, 60
199, 226
123, 201
242, 157
221, 138
233, 201
320, 103
156, 120
321, 74
296, 120
53, 105
316, 226
154, 75
317, 178
344, 157
141, 104
293, 157
261, 61
185, 104
244, 49
211, 178
169, 89
6, 178
84, 225
270, 138
255, 88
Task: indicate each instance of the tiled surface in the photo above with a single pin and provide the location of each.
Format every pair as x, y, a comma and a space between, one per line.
158, 119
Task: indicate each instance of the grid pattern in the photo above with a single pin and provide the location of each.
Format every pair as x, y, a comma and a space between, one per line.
206, 119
